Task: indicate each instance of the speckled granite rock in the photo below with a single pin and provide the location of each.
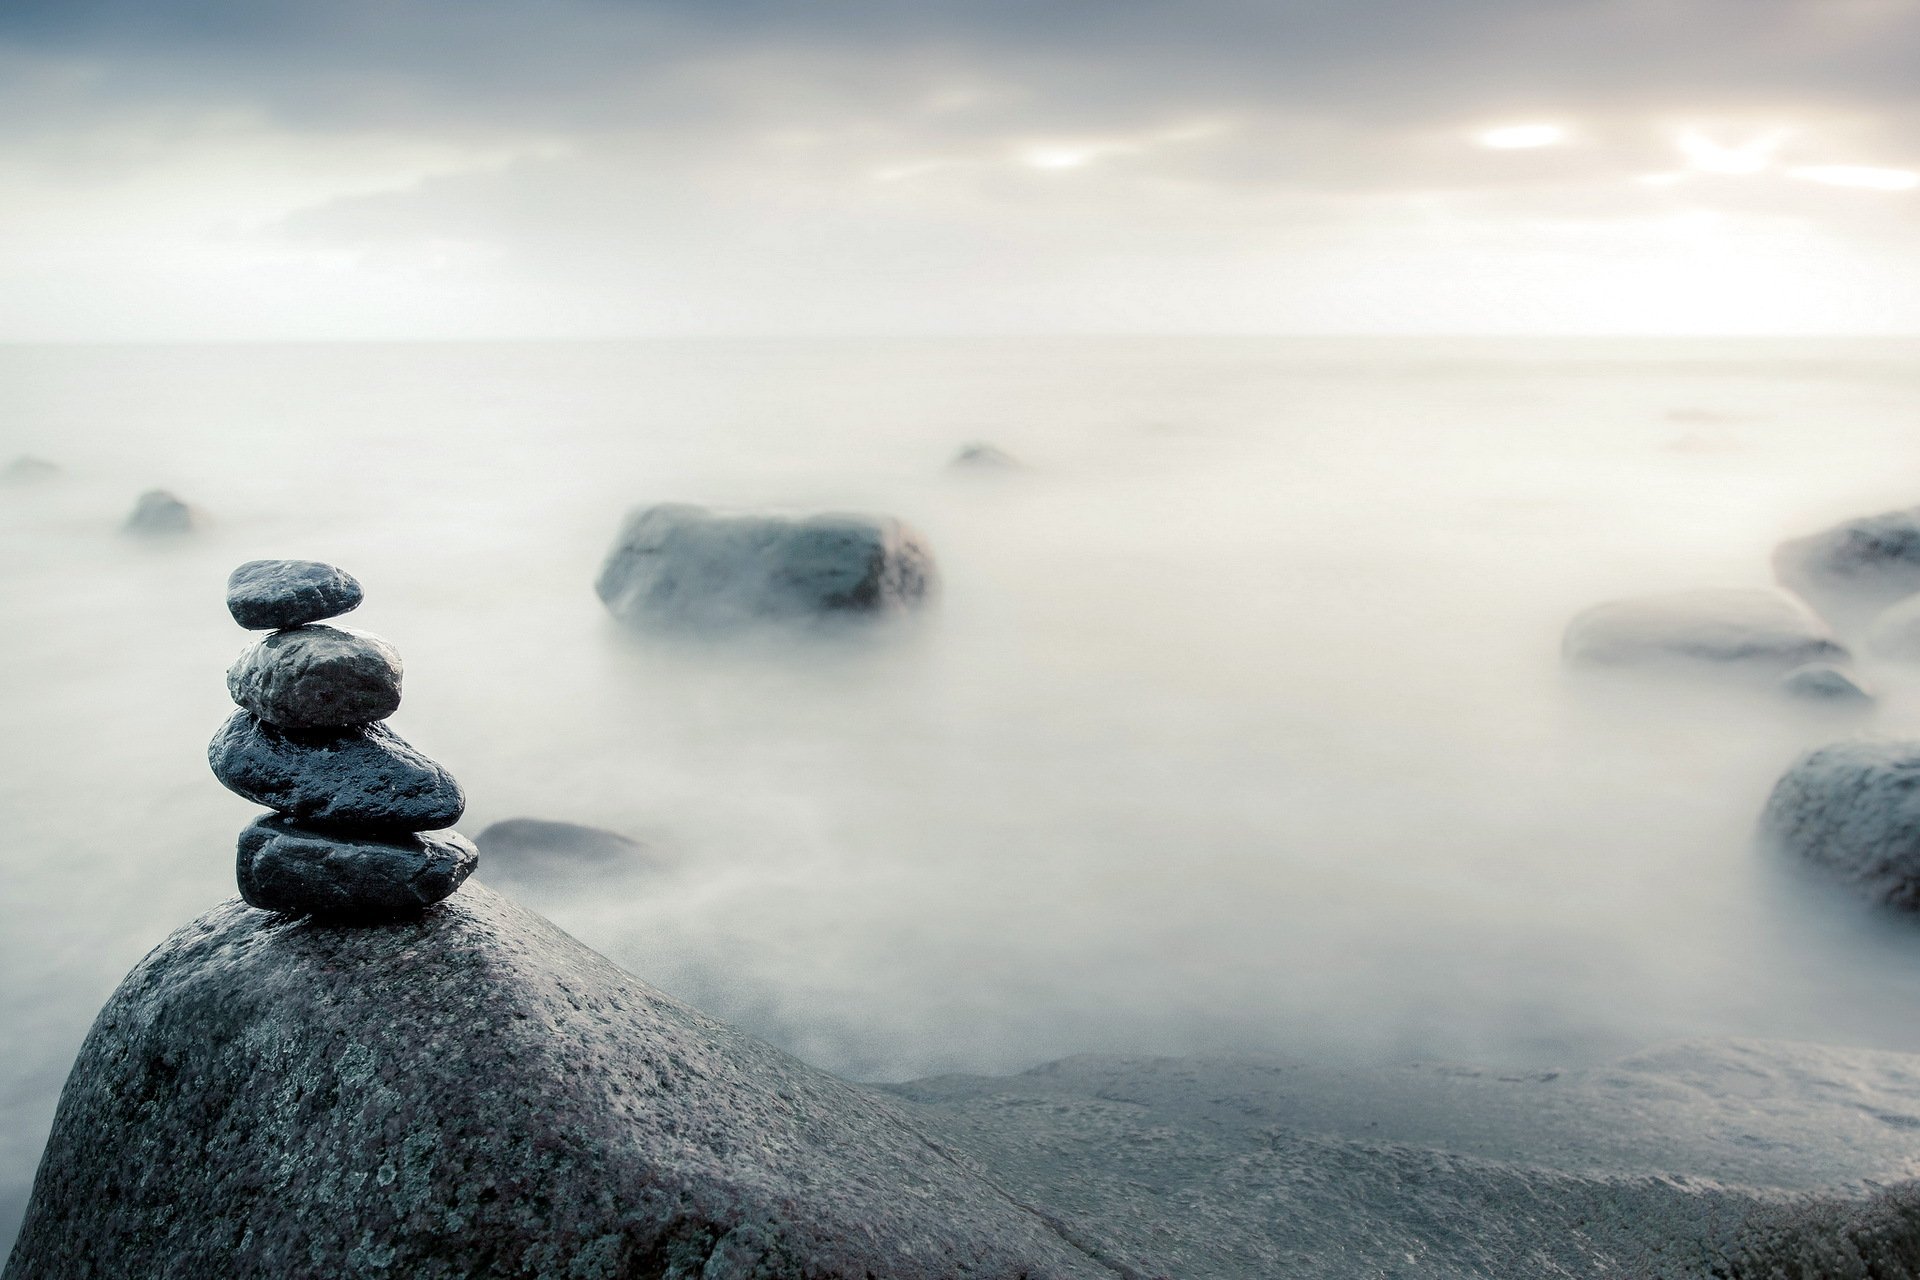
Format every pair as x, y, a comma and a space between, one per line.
282, 866
317, 677
476, 1094
686, 566
364, 777
265, 594
1854, 808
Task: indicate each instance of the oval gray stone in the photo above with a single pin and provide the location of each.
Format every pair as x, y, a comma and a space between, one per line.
1824, 682
361, 777
1736, 629
1854, 808
284, 866
317, 677
265, 594
1855, 569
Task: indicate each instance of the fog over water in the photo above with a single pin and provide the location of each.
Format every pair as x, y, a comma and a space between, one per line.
1239, 724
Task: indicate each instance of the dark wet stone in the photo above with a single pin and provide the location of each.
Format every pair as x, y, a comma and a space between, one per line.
473, 1093
317, 677
27, 469
1763, 631
359, 876
680, 565
265, 594
1857, 568
159, 512
1824, 682
359, 777
1854, 809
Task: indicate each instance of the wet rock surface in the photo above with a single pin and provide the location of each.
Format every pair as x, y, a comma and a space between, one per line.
1853, 808
317, 677
1855, 569
361, 777
473, 1093
285, 866
680, 565
1757, 631
159, 513
266, 594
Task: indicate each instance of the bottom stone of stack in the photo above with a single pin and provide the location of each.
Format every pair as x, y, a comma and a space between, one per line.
284, 865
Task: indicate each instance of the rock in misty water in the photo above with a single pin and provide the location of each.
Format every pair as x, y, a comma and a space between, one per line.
27, 469
317, 677
266, 594
1824, 682
1854, 808
979, 456
473, 1093
159, 512
536, 853
361, 777
1763, 631
358, 876
680, 565
1856, 569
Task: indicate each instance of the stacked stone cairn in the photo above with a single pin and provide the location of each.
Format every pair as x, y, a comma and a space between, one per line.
358, 829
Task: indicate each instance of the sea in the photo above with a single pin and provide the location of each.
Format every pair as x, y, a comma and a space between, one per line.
1238, 725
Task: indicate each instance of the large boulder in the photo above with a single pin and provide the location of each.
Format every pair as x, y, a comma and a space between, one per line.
1854, 808
473, 1093
1855, 569
1764, 632
681, 565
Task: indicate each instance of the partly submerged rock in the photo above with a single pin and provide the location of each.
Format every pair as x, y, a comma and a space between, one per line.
159, 512
265, 594
1857, 568
682, 565
27, 469
538, 852
358, 876
473, 1093
1824, 682
317, 677
1765, 631
359, 777
1854, 808
979, 456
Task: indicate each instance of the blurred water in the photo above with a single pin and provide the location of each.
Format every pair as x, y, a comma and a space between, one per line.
1239, 724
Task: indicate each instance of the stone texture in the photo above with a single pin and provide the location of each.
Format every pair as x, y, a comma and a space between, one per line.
536, 853
473, 1093
1855, 569
158, 512
266, 594
1761, 631
358, 876
1824, 682
1854, 808
361, 777
680, 565
317, 677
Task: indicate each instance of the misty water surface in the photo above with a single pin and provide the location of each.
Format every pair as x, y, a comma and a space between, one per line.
1239, 724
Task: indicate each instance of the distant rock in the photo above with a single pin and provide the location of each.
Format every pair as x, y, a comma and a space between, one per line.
26, 469
359, 777
158, 513
265, 594
1856, 569
1895, 634
1763, 631
1824, 682
980, 456
474, 1093
535, 852
360, 876
1854, 808
677, 565
317, 677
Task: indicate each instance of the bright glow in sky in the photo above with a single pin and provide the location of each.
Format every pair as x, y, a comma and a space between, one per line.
225, 169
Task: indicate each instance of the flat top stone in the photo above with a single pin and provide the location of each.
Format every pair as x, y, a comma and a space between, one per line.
360, 876
367, 776
265, 594
317, 677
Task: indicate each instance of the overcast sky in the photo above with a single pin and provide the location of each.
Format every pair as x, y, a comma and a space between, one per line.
560, 168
